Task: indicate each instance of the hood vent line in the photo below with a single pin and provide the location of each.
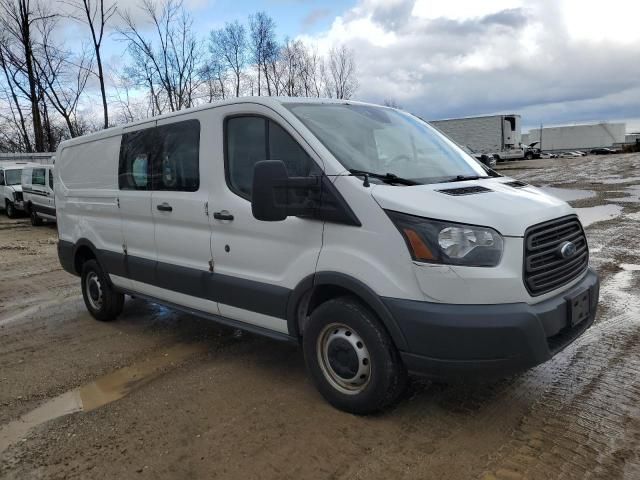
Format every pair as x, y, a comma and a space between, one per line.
465, 190
516, 184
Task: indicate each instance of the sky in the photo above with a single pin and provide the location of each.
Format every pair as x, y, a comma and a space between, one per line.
554, 62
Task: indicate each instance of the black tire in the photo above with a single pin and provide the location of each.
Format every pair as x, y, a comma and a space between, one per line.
528, 156
36, 221
100, 298
336, 323
11, 209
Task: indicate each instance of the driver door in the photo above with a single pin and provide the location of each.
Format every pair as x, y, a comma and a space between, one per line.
258, 263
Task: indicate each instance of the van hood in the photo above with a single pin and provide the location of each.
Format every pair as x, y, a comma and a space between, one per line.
507, 209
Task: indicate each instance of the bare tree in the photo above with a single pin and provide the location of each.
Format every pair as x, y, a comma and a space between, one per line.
62, 78
229, 45
262, 39
341, 78
170, 66
95, 15
17, 18
17, 117
391, 102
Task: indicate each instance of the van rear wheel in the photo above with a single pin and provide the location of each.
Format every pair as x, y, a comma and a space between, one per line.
102, 301
351, 358
36, 221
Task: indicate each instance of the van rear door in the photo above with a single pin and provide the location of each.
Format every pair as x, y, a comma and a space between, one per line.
137, 149
180, 198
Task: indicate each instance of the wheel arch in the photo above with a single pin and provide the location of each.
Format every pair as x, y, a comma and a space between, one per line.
322, 286
83, 250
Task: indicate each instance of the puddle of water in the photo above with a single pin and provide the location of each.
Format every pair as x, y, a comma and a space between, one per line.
105, 390
567, 194
618, 291
600, 213
634, 195
615, 181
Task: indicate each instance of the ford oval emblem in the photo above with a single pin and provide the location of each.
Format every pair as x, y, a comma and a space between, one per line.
567, 250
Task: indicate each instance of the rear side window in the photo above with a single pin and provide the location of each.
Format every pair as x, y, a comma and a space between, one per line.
51, 179
136, 151
178, 159
38, 176
250, 139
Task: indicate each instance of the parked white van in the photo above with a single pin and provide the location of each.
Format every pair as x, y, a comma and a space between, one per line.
11, 200
355, 229
37, 192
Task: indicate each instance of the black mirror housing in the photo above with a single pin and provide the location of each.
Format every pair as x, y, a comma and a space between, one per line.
268, 177
277, 196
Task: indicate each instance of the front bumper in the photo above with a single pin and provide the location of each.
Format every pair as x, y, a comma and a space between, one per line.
446, 340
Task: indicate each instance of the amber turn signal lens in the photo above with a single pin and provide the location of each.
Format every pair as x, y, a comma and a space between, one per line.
420, 250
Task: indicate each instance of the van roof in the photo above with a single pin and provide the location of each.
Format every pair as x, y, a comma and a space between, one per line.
8, 165
266, 101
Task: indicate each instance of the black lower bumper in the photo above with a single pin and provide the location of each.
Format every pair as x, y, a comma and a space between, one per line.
446, 341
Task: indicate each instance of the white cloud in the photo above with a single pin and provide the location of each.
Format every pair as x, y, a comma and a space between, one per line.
554, 61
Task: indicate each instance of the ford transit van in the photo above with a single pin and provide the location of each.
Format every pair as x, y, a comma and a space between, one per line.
11, 199
37, 191
355, 229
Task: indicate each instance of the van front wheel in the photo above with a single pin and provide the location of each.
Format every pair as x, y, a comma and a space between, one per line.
102, 301
351, 359
10, 209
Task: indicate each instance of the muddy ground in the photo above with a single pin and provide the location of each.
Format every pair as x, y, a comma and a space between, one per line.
158, 394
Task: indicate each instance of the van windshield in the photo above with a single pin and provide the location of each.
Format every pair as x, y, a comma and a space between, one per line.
383, 140
13, 177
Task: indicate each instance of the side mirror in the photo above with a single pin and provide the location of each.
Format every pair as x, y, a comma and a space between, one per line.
276, 196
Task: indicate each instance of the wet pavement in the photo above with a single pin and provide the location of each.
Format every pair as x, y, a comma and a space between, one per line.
160, 394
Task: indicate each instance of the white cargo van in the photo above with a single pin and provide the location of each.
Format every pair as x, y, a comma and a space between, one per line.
11, 200
358, 230
37, 192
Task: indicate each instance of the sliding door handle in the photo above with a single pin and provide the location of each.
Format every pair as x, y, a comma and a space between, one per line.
223, 215
164, 207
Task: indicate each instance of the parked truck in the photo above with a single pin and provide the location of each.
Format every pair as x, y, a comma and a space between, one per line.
497, 135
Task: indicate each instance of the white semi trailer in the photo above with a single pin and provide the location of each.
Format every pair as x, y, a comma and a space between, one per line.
495, 134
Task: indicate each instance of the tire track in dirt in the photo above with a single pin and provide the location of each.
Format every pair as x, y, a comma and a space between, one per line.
587, 425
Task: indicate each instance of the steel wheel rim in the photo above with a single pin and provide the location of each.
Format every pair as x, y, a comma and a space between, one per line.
94, 291
344, 358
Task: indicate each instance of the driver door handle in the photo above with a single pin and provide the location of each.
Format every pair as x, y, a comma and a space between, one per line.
222, 215
164, 207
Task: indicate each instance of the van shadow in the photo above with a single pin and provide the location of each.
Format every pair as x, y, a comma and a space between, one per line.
272, 359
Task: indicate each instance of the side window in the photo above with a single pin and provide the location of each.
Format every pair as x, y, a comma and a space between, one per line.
283, 147
134, 170
38, 176
250, 139
51, 179
246, 144
178, 161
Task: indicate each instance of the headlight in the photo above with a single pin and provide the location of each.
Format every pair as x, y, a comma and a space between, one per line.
435, 241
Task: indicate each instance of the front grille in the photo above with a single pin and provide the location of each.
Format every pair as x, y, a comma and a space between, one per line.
18, 196
465, 190
544, 268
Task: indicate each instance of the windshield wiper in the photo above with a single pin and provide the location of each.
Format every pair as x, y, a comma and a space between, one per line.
464, 178
385, 177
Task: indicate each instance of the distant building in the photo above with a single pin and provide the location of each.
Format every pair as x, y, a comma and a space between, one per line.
486, 134
577, 137
632, 138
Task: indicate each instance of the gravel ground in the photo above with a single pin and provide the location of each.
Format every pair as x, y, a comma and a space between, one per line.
167, 395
